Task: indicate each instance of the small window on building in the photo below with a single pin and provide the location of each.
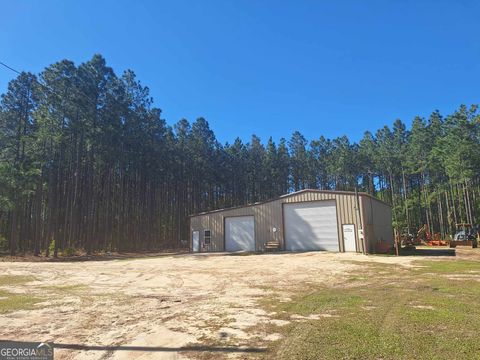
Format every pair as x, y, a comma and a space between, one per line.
207, 237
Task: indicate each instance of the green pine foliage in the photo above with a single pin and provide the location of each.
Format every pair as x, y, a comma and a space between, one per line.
88, 162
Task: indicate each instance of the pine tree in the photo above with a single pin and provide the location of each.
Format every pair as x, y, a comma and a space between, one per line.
87, 162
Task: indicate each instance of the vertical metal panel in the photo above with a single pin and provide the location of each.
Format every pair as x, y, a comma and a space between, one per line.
382, 222
269, 215
377, 222
339, 208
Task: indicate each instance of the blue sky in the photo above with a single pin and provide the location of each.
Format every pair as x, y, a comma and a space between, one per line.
265, 67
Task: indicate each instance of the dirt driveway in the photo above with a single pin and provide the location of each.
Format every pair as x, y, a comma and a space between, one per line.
172, 307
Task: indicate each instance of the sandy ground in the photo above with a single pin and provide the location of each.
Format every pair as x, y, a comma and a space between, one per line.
171, 307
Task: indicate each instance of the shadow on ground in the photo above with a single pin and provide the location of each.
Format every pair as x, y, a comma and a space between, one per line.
93, 257
428, 252
192, 348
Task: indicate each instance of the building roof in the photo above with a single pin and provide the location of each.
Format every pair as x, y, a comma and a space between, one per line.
292, 194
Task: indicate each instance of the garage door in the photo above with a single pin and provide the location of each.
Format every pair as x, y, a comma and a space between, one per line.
240, 233
311, 226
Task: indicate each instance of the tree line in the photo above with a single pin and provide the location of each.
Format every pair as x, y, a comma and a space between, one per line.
87, 161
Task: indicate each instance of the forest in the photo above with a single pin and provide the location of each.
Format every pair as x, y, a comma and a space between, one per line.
87, 162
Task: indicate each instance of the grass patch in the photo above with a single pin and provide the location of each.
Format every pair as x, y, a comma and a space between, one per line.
12, 280
404, 313
16, 301
12, 302
452, 266
353, 279
65, 289
319, 302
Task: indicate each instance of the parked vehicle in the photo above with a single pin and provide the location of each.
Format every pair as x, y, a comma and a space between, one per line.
466, 235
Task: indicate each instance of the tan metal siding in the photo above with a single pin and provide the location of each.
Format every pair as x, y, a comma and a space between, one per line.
378, 222
270, 214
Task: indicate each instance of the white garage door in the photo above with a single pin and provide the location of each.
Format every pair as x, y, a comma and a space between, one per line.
311, 226
240, 233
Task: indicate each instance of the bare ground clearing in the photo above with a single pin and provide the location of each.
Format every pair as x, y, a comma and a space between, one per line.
167, 307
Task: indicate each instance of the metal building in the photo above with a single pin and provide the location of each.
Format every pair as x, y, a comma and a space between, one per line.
305, 220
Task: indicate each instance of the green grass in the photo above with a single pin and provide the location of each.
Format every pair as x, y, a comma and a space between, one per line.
416, 313
449, 266
27, 300
65, 289
11, 280
320, 302
13, 301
